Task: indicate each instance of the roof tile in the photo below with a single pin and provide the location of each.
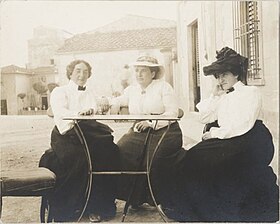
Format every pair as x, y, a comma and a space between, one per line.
121, 40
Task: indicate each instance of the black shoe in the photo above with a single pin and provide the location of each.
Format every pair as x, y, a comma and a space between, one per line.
94, 218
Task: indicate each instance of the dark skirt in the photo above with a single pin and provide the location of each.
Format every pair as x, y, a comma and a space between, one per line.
131, 147
227, 180
67, 160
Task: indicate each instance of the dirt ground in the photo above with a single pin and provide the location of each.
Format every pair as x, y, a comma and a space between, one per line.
23, 149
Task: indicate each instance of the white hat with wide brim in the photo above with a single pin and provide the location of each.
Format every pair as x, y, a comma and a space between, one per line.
149, 61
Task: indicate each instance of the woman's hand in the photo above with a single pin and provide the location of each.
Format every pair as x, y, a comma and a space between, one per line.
206, 135
103, 108
86, 112
218, 91
141, 126
103, 105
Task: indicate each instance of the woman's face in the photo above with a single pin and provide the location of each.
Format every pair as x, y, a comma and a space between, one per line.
80, 74
226, 80
144, 76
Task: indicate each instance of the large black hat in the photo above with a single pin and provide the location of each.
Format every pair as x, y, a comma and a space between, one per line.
228, 60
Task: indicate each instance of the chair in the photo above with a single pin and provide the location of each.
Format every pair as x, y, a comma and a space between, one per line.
180, 113
27, 183
208, 126
50, 112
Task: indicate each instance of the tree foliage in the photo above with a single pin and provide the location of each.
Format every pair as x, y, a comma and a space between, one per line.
51, 86
40, 88
21, 95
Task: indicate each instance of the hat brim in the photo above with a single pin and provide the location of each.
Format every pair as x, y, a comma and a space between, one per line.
215, 69
159, 75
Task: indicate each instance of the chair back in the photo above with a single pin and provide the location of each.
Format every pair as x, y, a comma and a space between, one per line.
50, 112
180, 113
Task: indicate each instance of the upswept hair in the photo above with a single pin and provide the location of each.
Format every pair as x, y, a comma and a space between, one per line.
71, 66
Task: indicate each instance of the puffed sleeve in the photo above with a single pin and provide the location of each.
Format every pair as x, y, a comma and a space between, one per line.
244, 112
170, 103
208, 109
121, 101
59, 105
169, 100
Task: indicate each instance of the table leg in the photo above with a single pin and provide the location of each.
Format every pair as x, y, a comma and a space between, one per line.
148, 168
144, 151
83, 141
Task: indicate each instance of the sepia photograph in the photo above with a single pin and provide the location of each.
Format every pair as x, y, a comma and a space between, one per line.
139, 111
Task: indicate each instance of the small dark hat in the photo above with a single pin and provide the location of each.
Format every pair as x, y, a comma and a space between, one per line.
228, 60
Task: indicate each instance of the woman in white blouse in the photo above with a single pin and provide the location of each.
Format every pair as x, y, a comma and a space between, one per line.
66, 157
150, 95
226, 177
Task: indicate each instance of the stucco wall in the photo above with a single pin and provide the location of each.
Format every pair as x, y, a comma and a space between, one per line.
9, 81
270, 41
22, 86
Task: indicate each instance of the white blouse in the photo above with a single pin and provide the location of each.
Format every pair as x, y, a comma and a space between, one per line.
158, 98
68, 101
236, 111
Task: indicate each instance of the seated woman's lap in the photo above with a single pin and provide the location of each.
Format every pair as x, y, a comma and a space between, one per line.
221, 178
131, 148
131, 145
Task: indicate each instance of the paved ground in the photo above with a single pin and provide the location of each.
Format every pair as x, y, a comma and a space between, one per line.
24, 139
22, 147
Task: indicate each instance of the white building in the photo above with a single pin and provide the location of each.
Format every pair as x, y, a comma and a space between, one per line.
112, 46
43, 45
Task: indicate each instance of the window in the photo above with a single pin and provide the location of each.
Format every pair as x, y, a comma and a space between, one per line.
247, 38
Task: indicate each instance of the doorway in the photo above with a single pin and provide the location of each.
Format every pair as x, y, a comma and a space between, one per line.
44, 102
195, 65
4, 110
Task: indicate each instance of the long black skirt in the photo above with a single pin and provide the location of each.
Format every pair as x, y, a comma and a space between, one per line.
227, 180
131, 147
67, 160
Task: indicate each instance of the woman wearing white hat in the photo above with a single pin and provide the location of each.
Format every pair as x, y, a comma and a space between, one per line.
150, 95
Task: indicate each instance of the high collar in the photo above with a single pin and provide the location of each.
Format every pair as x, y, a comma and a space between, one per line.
238, 85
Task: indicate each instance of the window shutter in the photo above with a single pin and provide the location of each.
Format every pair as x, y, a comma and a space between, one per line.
246, 36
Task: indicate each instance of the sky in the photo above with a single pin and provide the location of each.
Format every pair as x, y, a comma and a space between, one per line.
18, 18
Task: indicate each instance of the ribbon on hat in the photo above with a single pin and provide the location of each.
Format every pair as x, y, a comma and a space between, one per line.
147, 59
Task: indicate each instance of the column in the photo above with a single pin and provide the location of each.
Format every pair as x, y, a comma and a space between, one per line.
168, 65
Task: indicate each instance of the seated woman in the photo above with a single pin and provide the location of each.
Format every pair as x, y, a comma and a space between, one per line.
226, 177
67, 159
150, 95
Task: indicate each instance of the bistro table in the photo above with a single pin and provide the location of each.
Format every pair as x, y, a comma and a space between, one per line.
83, 141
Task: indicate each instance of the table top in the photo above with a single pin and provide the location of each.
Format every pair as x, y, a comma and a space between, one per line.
123, 117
